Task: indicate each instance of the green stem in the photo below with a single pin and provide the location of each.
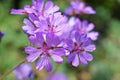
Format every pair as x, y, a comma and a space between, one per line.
7, 73
56, 68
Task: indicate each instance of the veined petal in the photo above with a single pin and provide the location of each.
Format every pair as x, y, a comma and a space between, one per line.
32, 17
39, 5
71, 57
40, 38
75, 61
52, 40
88, 56
90, 48
17, 11
77, 37
40, 63
57, 58
28, 23
48, 65
32, 57
93, 35
28, 9
70, 44
80, 37
83, 61
58, 51
86, 42
44, 62
52, 10
30, 50
37, 40
48, 5
28, 28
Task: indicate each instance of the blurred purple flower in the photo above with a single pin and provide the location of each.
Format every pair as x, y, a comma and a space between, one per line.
1, 35
77, 7
24, 72
57, 76
83, 27
79, 48
47, 47
38, 8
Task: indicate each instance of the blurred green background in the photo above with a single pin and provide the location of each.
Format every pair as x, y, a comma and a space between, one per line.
106, 63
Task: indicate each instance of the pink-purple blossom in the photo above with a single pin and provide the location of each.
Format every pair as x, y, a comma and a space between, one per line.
77, 7
79, 49
47, 47
83, 27
24, 72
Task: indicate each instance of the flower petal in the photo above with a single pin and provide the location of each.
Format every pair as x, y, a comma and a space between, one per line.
52, 40
71, 57
48, 65
58, 51
89, 10
80, 38
33, 57
93, 35
41, 62
52, 10
75, 62
57, 58
90, 48
30, 50
90, 27
70, 44
39, 5
86, 42
48, 5
88, 56
19, 11
37, 40
83, 61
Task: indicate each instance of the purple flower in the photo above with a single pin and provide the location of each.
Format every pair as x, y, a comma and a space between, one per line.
48, 46
38, 8
57, 76
77, 7
79, 48
55, 24
1, 35
83, 27
24, 72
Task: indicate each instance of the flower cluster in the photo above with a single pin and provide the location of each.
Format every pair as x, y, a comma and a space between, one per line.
53, 36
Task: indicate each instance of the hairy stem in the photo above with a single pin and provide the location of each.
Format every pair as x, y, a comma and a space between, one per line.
10, 71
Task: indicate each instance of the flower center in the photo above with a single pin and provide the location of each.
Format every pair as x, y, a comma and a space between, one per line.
45, 48
78, 47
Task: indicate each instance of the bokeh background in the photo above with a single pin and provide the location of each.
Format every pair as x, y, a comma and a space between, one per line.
106, 63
